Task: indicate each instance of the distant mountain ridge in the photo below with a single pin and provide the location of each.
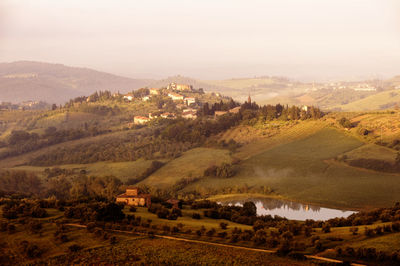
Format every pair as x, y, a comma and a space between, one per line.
57, 83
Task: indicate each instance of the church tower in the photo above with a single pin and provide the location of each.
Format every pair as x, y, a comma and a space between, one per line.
249, 99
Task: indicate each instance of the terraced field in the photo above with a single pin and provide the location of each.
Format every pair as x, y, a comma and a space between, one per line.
285, 133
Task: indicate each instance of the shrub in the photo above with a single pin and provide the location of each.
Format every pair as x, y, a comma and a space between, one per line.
211, 232
196, 215
344, 122
166, 228
222, 234
3, 226
307, 231
74, 248
35, 227
326, 228
379, 230
260, 237
223, 225
163, 213
284, 248
172, 216
369, 232
354, 230
90, 227
176, 212
31, 250
113, 240
11, 228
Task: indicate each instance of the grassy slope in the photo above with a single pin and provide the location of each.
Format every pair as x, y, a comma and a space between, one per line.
386, 123
187, 220
387, 243
122, 170
373, 102
285, 134
191, 164
372, 151
297, 170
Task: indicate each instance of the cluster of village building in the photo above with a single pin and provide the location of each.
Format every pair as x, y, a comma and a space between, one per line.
186, 104
342, 86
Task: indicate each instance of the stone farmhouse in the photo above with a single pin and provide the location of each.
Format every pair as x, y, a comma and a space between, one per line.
133, 197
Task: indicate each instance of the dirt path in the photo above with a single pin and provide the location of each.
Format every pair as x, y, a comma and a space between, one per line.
313, 257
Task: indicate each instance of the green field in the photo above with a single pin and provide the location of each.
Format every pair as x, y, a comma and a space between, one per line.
191, 164
187, 220
388, 243
372, 151
299, 171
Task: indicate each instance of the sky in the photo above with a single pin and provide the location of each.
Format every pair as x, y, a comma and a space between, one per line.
207, 39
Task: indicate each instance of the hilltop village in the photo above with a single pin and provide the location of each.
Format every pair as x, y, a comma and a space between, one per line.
170, 102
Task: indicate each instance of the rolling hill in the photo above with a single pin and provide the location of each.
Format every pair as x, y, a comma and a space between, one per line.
302, 170
56, 83
379, 101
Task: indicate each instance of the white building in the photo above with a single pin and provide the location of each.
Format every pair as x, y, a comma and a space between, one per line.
189, 114
154, 91
190, 100
175, 96
140, 120
364, 87
128, 97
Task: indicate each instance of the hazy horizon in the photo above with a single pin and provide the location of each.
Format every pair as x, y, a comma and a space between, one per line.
310, 39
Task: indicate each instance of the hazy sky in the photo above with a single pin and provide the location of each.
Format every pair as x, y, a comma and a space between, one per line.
207, 38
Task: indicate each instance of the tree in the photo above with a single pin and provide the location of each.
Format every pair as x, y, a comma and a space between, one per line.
326, 228
344, 122
223, 225
110, 212
249, 209
354, 230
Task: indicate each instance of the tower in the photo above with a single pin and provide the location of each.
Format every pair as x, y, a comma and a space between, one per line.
249, 99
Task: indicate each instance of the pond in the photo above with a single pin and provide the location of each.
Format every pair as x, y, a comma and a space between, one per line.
289, 209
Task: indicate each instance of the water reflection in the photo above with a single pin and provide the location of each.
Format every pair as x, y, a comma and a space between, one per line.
290, 209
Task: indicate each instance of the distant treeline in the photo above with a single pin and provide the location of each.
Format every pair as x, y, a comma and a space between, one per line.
250, 110
143, 143
20, 141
